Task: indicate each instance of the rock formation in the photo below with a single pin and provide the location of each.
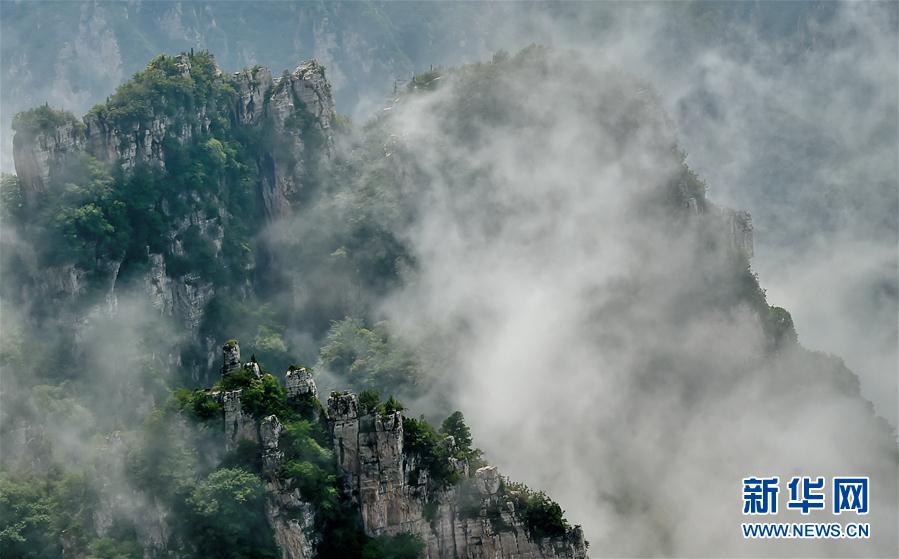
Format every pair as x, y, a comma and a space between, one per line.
293, 113
475, 517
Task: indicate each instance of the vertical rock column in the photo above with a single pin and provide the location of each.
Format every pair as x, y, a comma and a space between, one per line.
369, 452
231, 357
238, 424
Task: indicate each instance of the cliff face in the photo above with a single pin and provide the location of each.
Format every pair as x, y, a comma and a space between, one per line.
474, 518
390, 486
273, 129
294, 103
301, 110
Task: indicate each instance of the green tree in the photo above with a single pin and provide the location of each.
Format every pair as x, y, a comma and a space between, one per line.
369, 400
26, 519
12, 201
227, 513
370, 359
400, 546
455, 426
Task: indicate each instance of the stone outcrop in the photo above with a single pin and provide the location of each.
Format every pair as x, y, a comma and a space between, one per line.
295, 112
392, 489
253, 85
38, 154
299, 384
291, 517
470, 519
231, 357
301, 110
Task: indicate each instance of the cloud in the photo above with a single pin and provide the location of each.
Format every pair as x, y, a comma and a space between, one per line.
788, 111
601, 351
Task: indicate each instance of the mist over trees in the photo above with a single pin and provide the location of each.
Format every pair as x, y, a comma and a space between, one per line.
523, 239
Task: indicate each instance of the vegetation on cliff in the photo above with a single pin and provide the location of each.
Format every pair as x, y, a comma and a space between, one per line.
189, 87
43, 120
312, 283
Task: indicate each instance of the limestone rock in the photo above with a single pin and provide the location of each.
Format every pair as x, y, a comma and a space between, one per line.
487, 480
291, 519
300, 384
252, 85
269, 435
470, 520
37, 156
298, 109
231, 357
301, 109
393, 490
239, 425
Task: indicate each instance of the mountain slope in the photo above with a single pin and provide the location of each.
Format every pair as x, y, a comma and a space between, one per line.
545, 260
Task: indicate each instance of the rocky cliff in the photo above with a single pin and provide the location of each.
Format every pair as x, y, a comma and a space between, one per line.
296, 102
392, 488
188, 150
474, 518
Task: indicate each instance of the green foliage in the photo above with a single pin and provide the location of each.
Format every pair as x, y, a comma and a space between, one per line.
401, 546
370, 359
260, 396
455, 426
369, 401
543, 516
390, 407
12, 200
165, 87
265, 396
27, 515
198, 404
36, 510
422, 440
43, 120
227, 516
310, 464
86, 215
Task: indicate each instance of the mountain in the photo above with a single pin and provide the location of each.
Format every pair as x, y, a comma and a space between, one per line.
521, 239
164, 190
88, 49
750, 71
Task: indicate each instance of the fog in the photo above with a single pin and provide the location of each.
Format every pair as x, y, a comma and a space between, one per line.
788, 110
593, 354
578, 322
